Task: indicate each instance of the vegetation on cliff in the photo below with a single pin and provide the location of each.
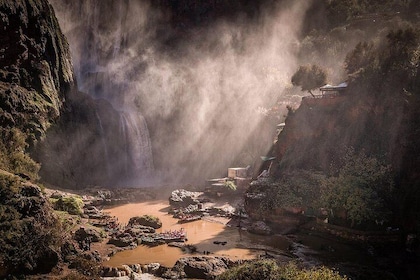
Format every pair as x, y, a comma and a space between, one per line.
35, 76
378, 117
266, 269
361, 143
29, 233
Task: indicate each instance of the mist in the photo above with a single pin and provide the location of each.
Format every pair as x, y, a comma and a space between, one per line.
203, 89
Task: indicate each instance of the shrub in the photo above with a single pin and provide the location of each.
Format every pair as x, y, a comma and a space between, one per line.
13, 156
267, 269
230, 185
72, 205
360, 188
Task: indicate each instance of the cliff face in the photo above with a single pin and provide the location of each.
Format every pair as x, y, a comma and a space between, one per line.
35, 67
42, 110
320, 131
36, 78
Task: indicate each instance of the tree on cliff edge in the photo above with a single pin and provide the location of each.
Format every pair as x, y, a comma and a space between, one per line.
309, 77
360, 190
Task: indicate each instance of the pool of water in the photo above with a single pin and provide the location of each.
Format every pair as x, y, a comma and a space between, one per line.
201, 233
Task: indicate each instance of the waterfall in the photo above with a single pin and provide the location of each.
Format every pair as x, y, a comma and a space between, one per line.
138, 159
124, 137
104, 144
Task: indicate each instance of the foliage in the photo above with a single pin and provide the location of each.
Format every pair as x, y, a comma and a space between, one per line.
360, 57
71, 204
85, 266
389, 67
267, 269
29, 231
230, 185
339, 10
309, 77
68, 222
13, 156
299, 189
361, 188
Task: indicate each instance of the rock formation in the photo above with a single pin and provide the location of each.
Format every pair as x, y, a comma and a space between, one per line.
36, 74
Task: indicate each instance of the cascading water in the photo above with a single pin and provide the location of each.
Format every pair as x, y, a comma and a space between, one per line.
199, 80
138, 157
104, 144
125, 142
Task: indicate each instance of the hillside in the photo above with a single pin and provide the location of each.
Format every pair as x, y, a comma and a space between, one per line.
361, 143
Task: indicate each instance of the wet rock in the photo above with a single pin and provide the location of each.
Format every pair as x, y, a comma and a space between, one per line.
139, 230
183, 198
128, 270
260, 228
154, 268
201, 267
136, 268
93, 213
109, 272
145, 220
87, 233
123, 240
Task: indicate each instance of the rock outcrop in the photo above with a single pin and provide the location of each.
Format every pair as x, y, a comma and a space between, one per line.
29, 231
36, 73
201, 267
146, 220
183, 198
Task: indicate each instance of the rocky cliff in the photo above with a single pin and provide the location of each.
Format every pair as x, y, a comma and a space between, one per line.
318, 133
36, 73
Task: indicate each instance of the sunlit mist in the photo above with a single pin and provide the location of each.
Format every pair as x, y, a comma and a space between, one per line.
201, 94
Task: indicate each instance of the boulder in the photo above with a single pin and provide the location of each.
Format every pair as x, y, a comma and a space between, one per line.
260, 228
123, 240
84, 233
183, 198
153, 268
201, 267
139, 230
145, 220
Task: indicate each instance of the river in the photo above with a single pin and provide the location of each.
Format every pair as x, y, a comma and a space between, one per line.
201, 233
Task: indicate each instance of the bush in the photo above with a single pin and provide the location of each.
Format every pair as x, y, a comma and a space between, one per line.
230, 185
361, 189
299, 189
72, 205
13, 156
264, 269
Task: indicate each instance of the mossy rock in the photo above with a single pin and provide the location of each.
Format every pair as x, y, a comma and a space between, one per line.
71, 204
146, 220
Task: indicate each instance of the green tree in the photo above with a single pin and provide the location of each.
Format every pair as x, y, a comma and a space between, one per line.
359, 58
299, 189
390, 67
309, 77
361, 189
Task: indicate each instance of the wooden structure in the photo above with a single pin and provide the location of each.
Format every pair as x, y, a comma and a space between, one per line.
328, 89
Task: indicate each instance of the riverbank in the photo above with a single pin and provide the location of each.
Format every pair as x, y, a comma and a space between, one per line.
212, 236
221, 237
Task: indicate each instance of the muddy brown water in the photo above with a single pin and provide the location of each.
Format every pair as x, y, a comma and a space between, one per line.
201, 233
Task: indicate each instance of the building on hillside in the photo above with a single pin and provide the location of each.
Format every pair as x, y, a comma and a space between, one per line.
329, 89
